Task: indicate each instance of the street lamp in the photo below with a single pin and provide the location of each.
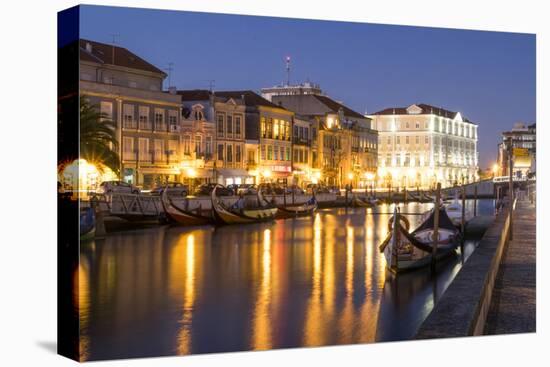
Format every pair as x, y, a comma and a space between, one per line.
495, 169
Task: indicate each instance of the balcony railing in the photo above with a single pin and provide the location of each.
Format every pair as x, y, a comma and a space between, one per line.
129, 156
130, 125
161, 127
145, 125
145, 157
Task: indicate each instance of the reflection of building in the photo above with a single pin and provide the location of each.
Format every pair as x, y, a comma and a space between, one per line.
420, 145
346, 143
269, 128
524, 143
128, 90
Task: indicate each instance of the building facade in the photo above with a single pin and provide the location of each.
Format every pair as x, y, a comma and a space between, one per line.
524, 150
266, 139
198, 136
128, 90
291, 90
345, 150
305, 168
420, 145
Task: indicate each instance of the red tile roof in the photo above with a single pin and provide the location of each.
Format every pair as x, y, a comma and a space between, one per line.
103, 53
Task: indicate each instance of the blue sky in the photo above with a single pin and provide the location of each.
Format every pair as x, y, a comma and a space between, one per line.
488, 76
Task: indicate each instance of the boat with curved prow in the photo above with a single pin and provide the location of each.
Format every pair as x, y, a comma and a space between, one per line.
406, 251
297, 210
182, 216
367, 202
239, 213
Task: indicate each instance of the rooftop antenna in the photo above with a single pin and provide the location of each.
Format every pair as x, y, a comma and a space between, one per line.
113, 42
211, 84
170, 68
288, 71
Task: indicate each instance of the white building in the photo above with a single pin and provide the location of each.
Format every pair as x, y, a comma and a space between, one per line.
421, 144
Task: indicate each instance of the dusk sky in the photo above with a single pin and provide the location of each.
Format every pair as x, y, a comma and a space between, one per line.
488, 76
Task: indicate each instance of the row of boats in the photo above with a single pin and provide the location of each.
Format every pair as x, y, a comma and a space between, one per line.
403, 249
238, 213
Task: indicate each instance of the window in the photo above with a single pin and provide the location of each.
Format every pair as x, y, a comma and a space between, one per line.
389, 140
198, 144
237, 126
144, 118
418, 125
426, 140
407, 125
229, 125
276, 154
199, 116
250, 156
296, 135
282, 153
238, 154
314, 133
288, 153
187, 144
398, 140
106, 109
159, 150
417, 139
220, 152
143, 152
229, 153
275, 129
220, 125
263, 127
270, 128
128, 152
306, 156
262, 152
295, 155
306, 133
287, 130
159, 120
172, 150
208, 145
269, 152
128, 111
172, 117
406, 140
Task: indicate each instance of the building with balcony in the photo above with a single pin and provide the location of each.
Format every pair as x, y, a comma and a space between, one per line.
128, 90
345, 150
267, 136
523, 138
305, 151
420, 145
198, 136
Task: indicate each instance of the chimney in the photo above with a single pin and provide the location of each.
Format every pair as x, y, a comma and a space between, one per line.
89, 47
172, 90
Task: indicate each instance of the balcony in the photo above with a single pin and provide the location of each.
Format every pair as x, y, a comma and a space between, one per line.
129, 156
145, 125
130, 125
302, 141
161, 127
145, 157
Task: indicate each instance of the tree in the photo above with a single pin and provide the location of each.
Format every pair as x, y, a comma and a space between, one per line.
98, 142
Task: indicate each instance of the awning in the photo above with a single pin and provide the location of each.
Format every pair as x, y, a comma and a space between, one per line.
232, 172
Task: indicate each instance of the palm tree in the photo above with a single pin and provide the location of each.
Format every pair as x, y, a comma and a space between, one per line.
98, 142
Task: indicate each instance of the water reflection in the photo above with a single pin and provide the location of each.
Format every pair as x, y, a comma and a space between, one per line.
297, 282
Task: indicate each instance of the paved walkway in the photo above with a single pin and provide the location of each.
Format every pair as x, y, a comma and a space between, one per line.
513, 307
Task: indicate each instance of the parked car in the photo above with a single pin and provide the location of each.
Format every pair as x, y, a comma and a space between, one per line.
206, 189
173, 189
247, 189
110, 187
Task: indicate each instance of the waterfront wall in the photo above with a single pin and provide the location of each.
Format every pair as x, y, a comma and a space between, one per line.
485, 189
463, 308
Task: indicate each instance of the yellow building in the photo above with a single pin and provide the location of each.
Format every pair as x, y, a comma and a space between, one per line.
420, 145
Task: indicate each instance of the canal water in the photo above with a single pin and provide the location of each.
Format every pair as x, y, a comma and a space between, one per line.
291, 283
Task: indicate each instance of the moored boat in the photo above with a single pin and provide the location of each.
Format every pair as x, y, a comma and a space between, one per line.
454, 211
185, 216
87, 223
239, 213
297, 210
363, 203
406, 251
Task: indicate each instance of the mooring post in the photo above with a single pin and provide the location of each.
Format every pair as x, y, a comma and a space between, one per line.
293, 193
346, 196
436, 226
405, 196
475, 200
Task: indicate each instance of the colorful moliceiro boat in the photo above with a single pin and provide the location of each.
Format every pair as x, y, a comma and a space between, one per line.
406, 251
185, 216
87, 224
238, 213
297, 210
368, 202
